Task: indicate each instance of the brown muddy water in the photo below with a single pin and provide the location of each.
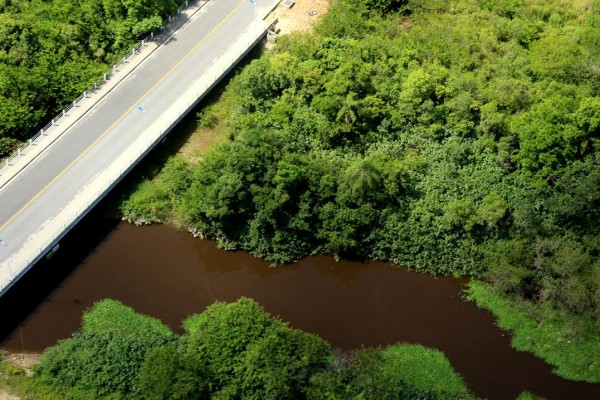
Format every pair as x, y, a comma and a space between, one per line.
170, 275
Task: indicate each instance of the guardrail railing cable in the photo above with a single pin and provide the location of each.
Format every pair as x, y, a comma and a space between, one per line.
157, 36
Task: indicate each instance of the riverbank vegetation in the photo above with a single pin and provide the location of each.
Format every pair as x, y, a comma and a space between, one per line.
230, 351
51, 51
452, 137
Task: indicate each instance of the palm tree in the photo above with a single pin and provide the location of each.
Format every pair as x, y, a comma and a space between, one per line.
364, 176
347, 113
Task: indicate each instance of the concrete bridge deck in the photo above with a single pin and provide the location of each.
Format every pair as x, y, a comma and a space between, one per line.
43, 200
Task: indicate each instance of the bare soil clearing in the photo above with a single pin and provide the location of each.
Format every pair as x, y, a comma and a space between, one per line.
6, 396
300, 17
24, 361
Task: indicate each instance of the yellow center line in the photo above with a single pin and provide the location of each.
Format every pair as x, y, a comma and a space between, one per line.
138, 101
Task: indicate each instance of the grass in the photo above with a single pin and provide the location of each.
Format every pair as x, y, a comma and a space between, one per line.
14, 383
573, 354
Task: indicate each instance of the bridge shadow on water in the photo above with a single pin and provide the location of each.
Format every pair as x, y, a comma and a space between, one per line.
47, 275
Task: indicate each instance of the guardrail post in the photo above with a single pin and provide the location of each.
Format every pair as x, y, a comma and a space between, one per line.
95, 87
152, 34
52, 122
30, 142
104, 77
84, 95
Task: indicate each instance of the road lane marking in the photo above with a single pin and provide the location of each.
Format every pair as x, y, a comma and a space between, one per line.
135, 104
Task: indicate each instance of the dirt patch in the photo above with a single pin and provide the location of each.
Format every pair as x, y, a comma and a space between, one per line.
24, 360
6, 396
300, 17
19, 361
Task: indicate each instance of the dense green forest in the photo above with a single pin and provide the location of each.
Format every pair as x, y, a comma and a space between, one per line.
51, 51
453, 137
230, 351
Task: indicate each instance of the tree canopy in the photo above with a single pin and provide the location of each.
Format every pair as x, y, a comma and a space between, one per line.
230, 351
454, 137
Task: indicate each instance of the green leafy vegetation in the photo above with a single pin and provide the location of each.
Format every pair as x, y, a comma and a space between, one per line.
452, 137
51, 51
111, 316
398, 372
230, 351
544, 331
529, 396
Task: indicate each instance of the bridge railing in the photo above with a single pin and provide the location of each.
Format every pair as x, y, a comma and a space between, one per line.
156, 35
54, 229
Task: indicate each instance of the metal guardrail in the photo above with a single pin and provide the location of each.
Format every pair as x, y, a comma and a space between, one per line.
38, 137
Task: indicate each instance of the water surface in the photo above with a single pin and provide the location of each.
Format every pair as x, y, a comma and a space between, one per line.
170, 275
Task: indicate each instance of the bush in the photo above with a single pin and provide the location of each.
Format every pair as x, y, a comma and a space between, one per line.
103, 364
7, 146
207, 119
405, 372
168, 373
106, 356
250, 354
398, 372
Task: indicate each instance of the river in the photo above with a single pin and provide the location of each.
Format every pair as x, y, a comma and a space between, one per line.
170, 275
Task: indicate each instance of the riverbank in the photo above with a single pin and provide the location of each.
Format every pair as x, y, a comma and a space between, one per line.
13, 368
171, 275
364, 140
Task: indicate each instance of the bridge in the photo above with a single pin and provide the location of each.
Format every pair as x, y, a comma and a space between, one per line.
85, 151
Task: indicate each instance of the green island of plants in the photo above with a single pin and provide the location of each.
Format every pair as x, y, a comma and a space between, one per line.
452, 137
229, 351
